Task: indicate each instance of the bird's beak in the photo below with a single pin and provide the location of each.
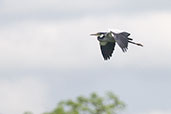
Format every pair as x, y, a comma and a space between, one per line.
93, 34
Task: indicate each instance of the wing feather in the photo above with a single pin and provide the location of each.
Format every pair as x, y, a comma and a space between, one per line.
107, 49
125, 34
122, 41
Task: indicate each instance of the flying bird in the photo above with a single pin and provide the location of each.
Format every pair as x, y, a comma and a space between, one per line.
107, 41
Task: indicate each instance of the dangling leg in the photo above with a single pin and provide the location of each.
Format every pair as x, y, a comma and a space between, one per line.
138, 44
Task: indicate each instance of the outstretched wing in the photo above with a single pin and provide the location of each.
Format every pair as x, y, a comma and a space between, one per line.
107, 49
122, 40
125, 34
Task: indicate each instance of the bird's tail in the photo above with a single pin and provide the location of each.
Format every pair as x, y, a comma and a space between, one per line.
138, 44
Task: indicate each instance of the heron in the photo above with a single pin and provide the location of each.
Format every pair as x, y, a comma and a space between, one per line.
107, 41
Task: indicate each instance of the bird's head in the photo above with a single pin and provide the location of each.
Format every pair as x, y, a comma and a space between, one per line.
98, 34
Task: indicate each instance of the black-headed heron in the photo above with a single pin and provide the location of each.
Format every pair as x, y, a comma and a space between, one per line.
107, 42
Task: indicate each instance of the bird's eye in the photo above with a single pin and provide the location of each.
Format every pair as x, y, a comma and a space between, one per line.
101, 36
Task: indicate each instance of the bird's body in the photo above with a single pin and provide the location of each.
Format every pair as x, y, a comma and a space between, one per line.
107, 42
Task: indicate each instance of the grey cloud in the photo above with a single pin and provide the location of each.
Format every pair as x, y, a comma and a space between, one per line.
42, 10
19, 95
146, 5
60, 44
135, 86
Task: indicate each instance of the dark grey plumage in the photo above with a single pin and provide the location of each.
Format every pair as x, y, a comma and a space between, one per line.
107, 50
122, 41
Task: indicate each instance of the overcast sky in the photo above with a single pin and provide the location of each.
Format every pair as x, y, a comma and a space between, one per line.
47, 54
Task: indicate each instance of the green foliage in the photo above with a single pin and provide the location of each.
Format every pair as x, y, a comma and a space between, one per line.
28, 112
94, 104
